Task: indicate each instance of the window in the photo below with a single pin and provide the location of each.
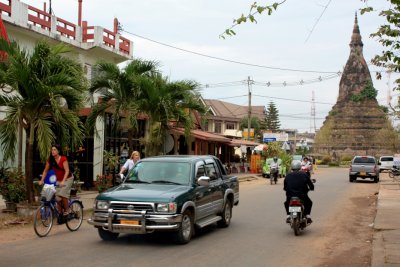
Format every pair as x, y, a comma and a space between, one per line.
206, 126
211, 171
218, 127
200, 171
230, 125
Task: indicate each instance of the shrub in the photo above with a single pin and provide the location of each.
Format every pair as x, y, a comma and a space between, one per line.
103, 182
12, 185
326, 160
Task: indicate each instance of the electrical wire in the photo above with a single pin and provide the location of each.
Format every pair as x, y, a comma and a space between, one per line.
224, 59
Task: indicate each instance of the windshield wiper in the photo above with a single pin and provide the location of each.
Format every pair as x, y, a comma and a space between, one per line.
164, 182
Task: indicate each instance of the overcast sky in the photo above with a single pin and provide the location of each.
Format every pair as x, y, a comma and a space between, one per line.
289, 39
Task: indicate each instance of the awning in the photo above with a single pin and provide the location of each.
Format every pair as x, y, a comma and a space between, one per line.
202, 135
242, 142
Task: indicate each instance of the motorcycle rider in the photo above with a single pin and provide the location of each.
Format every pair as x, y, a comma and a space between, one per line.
297, 184
274, 169
306, 166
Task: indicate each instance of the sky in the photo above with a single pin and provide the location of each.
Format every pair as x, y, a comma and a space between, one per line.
302, 41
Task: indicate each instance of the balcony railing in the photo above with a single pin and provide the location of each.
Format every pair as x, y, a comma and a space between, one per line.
29, 15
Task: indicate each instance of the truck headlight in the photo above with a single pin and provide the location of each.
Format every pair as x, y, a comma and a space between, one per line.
166, 207
102, 205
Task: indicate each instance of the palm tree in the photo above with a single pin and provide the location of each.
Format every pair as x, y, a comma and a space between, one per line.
166, 102
46, 93
117, 91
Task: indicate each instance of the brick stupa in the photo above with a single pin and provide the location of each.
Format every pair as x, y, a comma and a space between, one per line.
356, 127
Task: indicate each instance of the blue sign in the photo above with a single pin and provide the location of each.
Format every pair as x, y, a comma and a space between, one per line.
271, 139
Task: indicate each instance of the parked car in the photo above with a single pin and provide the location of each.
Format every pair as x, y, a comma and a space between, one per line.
364, 167
385, 163
167, 193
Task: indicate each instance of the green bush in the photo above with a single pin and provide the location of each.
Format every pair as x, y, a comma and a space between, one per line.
346, 158
326, 160
12, 185
333, 164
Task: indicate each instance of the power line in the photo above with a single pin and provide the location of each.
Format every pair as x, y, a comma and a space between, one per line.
224, 59
295, 100
316, 22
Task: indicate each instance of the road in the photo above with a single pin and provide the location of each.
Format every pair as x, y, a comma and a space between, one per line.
257, 235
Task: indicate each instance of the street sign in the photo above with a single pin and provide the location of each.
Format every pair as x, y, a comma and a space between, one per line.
270, 139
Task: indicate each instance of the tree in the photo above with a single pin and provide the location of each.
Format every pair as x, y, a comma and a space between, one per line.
140, 88
167, 102
255, 9
118, 91
272, 122
46, 94
254, 123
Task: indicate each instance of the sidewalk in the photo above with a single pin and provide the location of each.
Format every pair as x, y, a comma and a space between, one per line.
386, 241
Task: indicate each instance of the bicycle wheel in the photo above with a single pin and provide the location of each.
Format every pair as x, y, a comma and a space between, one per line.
43, 220
75, 217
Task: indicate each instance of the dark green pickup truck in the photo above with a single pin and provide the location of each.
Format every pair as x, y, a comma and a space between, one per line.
167, 193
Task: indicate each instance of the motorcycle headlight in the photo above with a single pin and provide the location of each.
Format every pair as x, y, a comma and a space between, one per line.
167, 207
102, 205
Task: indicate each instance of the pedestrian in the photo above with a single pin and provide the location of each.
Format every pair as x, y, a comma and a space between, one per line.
135, 157
59, 164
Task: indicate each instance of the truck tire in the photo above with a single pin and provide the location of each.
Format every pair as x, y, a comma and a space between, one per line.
107, 235
186, 229
352, 178
226, 215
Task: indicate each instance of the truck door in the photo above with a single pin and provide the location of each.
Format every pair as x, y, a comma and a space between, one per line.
216, 185
203, 195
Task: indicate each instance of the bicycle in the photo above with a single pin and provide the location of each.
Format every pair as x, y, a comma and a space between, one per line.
48, 209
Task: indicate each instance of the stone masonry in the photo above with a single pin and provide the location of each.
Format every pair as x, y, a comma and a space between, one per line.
356, 127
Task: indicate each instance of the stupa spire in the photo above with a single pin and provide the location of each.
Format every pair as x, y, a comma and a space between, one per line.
356, 44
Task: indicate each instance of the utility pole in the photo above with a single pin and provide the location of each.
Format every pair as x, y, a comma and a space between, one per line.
312, 119
249, 83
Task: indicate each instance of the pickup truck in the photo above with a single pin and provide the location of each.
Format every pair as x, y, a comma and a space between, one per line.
364, 167
167, 193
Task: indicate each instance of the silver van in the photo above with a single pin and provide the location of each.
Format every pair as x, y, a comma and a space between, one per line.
385, 163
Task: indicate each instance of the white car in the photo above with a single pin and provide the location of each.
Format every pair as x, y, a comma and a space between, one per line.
385, 163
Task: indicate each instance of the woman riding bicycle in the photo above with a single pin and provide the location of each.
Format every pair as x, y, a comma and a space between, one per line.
59, 164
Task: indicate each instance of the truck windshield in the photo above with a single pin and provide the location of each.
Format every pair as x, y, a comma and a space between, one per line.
174, 173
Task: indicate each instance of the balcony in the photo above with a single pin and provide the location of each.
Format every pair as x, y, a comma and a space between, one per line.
86, 37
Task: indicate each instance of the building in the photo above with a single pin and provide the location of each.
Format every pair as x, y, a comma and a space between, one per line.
224, 118
28, 24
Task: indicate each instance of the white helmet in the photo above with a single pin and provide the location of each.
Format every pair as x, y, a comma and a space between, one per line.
296, 165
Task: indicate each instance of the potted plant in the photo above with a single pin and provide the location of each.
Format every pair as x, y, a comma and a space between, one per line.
12, 187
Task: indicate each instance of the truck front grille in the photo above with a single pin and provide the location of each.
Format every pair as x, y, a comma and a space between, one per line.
137, 206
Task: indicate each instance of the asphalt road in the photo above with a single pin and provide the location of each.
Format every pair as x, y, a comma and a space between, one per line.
257, 236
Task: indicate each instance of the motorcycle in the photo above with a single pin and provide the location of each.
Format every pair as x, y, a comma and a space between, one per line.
274, 174
298, 219
394, 172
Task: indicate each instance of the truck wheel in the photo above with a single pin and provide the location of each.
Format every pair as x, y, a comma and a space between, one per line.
376, 179
107, 235
226, 215
185, 231
351, 179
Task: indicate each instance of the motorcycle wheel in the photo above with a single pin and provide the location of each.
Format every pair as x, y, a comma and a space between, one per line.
295, 226
391, 175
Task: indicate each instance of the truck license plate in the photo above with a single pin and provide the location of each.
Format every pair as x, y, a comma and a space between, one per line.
130, 222
363, 173
294, 209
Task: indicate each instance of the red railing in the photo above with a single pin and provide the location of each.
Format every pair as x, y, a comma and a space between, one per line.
42, 19
124, 45
88, 33
66, 28
39, 17
109, 38
5, 7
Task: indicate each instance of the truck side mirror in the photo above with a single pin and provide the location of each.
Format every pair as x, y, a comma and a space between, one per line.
203, 181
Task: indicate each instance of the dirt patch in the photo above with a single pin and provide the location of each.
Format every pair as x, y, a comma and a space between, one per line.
347, 241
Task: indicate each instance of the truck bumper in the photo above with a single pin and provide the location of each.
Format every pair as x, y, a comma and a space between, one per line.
134, 222
366, 174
